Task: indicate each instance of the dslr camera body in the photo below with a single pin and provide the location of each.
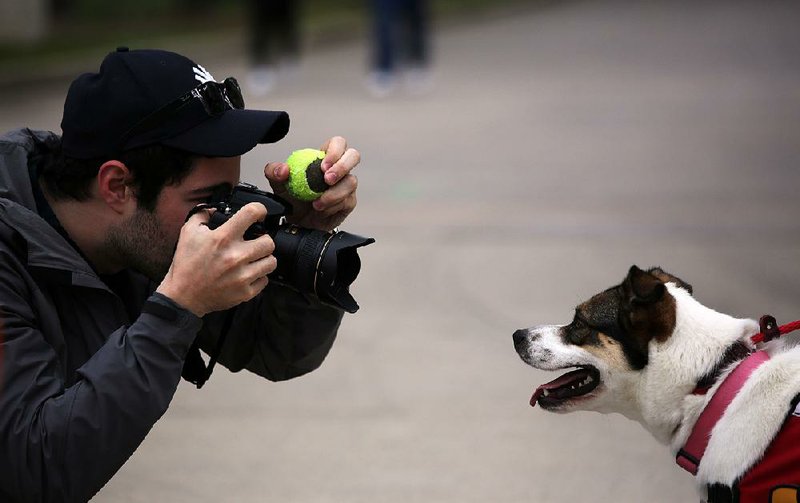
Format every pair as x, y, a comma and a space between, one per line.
322, 264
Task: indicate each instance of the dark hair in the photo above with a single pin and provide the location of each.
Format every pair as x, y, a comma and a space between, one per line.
152, 168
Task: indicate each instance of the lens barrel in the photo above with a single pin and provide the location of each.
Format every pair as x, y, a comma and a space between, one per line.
320, 263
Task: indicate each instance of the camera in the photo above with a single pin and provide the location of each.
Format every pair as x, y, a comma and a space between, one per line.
323, 264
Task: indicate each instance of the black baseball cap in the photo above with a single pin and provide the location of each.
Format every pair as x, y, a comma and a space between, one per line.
109, 112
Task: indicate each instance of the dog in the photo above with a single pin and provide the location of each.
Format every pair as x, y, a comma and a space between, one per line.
647, 349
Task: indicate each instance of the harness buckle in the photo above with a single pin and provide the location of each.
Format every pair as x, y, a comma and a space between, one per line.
769, 327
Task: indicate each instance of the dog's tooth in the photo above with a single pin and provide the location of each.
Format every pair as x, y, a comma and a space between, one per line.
545, 392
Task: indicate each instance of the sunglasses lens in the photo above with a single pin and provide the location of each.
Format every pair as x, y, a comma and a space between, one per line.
213, 99
234, 93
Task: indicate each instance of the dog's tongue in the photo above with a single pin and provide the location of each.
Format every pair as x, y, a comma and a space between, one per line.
555, 383
536, 395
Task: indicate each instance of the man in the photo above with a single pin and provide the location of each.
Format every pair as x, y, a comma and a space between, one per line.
104, 284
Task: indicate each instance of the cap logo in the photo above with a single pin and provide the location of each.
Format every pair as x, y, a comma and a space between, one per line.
202, 75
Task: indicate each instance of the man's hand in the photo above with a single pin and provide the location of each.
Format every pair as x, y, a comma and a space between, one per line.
213, 270
336, 202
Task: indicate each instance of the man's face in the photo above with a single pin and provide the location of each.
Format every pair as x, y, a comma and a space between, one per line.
147, 239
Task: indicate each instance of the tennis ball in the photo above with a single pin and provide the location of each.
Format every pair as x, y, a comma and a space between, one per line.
306, 179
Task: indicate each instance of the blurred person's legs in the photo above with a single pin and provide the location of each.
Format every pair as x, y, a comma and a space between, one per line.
60, 9
381, 79
274, 41
400, 42
416, 43
287, 33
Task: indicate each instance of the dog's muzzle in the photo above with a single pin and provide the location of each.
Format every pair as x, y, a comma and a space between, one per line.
522, 343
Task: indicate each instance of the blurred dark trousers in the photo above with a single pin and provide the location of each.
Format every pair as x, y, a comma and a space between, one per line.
401, 33
274, 30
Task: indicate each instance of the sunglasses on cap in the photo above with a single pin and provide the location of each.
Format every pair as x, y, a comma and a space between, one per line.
216, 98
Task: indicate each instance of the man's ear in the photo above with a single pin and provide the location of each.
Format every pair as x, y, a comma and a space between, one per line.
113, 185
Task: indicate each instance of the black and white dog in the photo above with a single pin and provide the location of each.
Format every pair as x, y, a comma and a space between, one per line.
648, 350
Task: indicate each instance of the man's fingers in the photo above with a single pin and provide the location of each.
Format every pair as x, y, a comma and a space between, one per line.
277, 172
244, 218
254, 277
261, 267
334, 148
200, 216
259, 248
337, 193
342, 167
257, 286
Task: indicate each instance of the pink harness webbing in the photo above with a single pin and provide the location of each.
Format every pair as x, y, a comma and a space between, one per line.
691, 454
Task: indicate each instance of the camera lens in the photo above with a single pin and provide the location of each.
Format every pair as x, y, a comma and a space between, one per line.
320, 263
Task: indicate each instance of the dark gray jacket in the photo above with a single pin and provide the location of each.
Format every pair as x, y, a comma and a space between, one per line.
86, 372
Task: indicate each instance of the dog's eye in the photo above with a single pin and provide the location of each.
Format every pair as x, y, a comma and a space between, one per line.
578, 324
578, 331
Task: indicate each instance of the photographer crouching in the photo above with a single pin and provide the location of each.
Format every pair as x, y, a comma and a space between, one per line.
108, 291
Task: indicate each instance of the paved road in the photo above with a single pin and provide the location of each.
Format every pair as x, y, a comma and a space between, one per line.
558, 147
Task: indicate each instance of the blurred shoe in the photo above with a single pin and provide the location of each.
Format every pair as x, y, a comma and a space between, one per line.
418, 80
260, 80
381, 83
289, 69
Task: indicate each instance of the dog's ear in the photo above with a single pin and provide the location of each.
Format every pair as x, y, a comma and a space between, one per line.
666, 277
647, 311
642, 287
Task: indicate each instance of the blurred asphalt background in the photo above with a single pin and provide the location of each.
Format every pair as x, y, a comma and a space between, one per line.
559, 145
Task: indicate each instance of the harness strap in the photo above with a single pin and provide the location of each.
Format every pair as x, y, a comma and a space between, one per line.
770, 329
691, 454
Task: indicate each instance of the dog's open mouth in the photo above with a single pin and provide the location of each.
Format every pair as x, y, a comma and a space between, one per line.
570, 385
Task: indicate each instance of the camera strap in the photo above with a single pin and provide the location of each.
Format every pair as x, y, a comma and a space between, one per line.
195, 369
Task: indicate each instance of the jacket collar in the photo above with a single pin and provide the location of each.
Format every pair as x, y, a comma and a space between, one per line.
16, 149
46, 248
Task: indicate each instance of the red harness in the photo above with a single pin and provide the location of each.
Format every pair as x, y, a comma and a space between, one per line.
776, 477
692, 452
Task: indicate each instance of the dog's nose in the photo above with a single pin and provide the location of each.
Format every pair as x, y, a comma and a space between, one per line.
519, 337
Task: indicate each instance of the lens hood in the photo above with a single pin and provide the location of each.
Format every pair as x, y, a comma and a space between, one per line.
338, 268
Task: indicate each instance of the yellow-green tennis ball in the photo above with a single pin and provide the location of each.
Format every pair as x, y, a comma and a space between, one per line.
306, 179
